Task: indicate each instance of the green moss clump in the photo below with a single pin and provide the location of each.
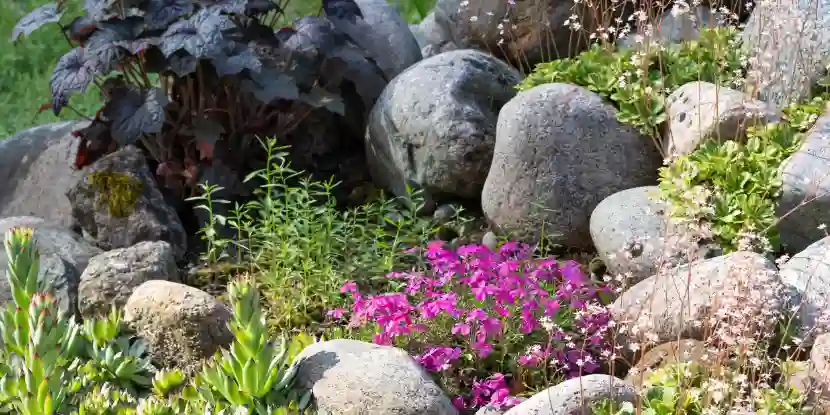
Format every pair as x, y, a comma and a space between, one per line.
119, 192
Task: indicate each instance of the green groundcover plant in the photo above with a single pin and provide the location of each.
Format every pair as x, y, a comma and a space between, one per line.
490, 325
739, 180
638, 82
689, 389
53, 365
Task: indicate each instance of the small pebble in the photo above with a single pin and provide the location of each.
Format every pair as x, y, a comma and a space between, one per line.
490, 240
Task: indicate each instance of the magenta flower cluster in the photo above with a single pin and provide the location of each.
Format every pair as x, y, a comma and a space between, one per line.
473, 301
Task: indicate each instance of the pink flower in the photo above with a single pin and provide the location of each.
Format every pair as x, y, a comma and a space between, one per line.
438, 359
461, 328
336, 313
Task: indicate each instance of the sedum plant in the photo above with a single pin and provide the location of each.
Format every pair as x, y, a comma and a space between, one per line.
738, 183
638, 82
50, 364
689, 389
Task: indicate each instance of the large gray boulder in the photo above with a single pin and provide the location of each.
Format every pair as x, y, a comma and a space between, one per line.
560, 150
788, 42
354, 377
36, 168
434, 126
118, 204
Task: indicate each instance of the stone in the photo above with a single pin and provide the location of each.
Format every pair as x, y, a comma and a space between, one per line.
789, 44
389, 380
433, 32
560, 151
523, 33
673, 28
490, 240
444, 214
701, 111
807, 274
385, 35
36, 168
667, 354
671, 304
434, 126
63, 257
111, 277
118, 204
437, 38
628, 230
576, 396
803, 205
491, 409
182, 325
819, 367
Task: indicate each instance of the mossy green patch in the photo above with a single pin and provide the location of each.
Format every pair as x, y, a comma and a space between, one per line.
119, 192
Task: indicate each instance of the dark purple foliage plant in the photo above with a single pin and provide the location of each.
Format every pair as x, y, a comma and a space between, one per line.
193, 81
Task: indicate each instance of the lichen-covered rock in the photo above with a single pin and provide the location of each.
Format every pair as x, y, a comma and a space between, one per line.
789, 45
672, 304
667, 354
807, 274
387, 37
673, 28
434, 126
182, 325
111, 277
701, 111
628, 229
63, 257
118, 204
354, 377
804, 202
560, 150
36, 168
576, 396
523, 33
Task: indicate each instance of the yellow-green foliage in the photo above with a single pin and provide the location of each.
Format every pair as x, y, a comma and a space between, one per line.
692, 389
741, 179
119, 192
638, 83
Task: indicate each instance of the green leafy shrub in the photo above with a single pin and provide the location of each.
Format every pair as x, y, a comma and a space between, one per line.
689, 389
303, 248
414, 11
732, 185
639, 82
53, 365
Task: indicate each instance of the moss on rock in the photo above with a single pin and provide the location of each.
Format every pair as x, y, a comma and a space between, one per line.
119, 192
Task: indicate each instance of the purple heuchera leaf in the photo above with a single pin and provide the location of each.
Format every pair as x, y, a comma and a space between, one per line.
73, 73
320, 98
201, 35
39, 17
239, 58
161, 13
182, 64
342, 9
230, 6
106, 46
269, 85
102, 9
134, 112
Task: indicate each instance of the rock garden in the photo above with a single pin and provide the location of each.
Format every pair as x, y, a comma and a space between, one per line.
466, 207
